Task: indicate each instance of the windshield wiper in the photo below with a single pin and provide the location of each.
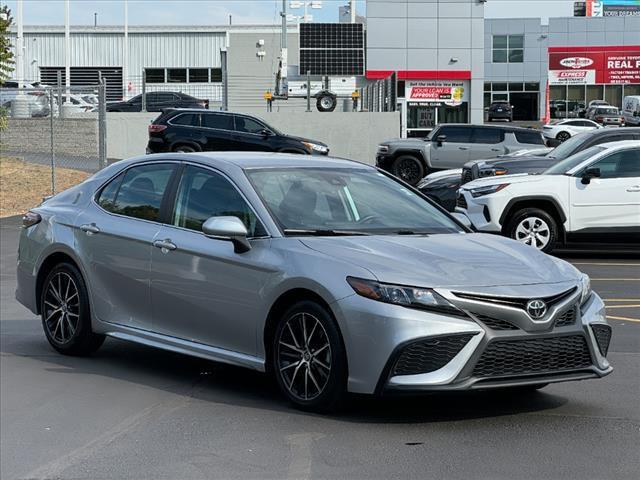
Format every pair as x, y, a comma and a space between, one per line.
322, 233
409, 232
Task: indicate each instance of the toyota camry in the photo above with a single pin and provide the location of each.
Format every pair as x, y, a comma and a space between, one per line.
331, 275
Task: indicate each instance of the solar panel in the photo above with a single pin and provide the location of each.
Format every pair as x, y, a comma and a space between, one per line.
332, 49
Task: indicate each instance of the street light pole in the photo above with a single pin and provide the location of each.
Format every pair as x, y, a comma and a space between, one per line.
67, 51
125, 51
20, 45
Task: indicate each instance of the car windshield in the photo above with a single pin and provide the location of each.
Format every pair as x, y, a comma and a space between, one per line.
561, 168
320, 201
607, 111
567, 148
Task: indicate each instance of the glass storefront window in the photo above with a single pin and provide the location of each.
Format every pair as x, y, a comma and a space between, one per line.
499, 87
447, 114
595, 92
515, 87
532, 87
613, 95
508, 48
499, 97
631, 90
487, 99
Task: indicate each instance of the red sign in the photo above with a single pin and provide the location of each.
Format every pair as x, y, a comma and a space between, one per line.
431, 93
609, 65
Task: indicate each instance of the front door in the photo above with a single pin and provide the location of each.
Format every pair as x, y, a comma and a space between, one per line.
116, 236
611, 201
252, 135
202, 291
453, 152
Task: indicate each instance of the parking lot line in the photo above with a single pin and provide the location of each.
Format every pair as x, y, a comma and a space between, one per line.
626, 319
622, 299
615, 279
608, 264
623, 306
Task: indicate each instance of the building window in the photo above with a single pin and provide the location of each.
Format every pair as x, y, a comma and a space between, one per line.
216, 75
155, 75
198, 75
508, 48
176, 75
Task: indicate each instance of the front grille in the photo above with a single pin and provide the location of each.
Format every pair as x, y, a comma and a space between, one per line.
495, 323
429, 355
567, 318
540, 355
467, 176
461, 201
603, 337
516, 302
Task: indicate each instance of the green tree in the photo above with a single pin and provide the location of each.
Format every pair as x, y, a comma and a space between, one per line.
6, 56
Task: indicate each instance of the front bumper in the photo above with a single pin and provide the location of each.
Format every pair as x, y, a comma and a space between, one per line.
378, 335
384, 161
483, 212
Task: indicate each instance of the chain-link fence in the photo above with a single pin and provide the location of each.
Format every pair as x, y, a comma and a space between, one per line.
381, 95
53, 137
209, 92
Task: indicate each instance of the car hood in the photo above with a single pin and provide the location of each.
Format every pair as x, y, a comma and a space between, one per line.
308, 140
405, 142
515, 178
447, 260
502, 159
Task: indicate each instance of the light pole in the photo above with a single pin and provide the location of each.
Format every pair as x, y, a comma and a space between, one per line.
314, 4
125, 52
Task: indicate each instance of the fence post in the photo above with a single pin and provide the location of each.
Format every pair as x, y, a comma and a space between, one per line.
59, 92
102, 124
144, 90
308, 90
52, 140
225, 79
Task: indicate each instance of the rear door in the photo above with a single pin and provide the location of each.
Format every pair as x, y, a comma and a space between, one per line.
487, 142
218, 131
251, 135
611, 201
115, 236
454, 151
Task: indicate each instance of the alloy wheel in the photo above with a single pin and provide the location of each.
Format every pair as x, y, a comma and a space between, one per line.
563, 136
533, 231
408, 170
304, 356
61, 308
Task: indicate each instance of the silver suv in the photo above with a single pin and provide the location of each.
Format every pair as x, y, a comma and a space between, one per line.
451, 146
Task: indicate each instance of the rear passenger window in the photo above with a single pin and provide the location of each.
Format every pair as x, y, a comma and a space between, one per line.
216, 120
456, 134
532, 137
186, 119
488, 135
138, 192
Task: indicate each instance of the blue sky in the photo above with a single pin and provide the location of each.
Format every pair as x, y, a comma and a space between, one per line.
216, 12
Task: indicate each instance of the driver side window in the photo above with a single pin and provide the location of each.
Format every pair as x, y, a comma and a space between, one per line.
622, 164
203, 194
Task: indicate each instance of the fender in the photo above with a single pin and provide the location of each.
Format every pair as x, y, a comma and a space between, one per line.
190, 143
528, 198
412, 151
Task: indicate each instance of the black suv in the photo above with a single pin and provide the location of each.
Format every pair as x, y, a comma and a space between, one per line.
157, 102
500, 111
188, 130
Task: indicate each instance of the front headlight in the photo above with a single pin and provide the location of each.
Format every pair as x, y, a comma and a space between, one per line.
585, 288
316, 147
482, 191
412, 297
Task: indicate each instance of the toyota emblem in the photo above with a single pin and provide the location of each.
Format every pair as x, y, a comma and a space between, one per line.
536, 309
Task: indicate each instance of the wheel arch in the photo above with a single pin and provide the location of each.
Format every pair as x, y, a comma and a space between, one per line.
413, 152
47, 264
280, 306
546, 203
186, 143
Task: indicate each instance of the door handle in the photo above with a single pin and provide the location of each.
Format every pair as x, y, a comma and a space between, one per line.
90, 228
496, 150
165, 245
463, 148
635, 188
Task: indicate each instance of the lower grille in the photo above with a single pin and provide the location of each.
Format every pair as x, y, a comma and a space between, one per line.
540, 355
429, 355
603, 337
496, 323
567, 318
461, 201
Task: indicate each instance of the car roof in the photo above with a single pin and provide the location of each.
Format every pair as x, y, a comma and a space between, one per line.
620, 145
251, 160
501, 127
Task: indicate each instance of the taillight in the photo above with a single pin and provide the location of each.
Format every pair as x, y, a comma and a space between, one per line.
153, 128
30, 219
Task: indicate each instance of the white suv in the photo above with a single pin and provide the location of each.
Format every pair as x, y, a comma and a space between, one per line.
592, 196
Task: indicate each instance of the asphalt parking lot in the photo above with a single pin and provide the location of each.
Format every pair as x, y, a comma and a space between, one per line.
134, 412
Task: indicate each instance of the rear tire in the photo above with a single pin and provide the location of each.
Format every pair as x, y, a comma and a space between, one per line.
308, 358
409, 169
534, 227
563, 136
184, 149
326, 103
66, 318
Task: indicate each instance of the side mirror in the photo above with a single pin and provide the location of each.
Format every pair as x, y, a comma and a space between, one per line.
228, 228
441, 139
588, 174
463, 219
266, 133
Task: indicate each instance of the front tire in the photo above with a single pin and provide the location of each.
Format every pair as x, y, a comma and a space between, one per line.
66, 319
534, 227
308, 358
409, 169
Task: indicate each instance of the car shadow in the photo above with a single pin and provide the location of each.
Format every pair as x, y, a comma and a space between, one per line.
225, 384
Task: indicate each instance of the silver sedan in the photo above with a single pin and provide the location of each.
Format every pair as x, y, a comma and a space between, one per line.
329, 273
